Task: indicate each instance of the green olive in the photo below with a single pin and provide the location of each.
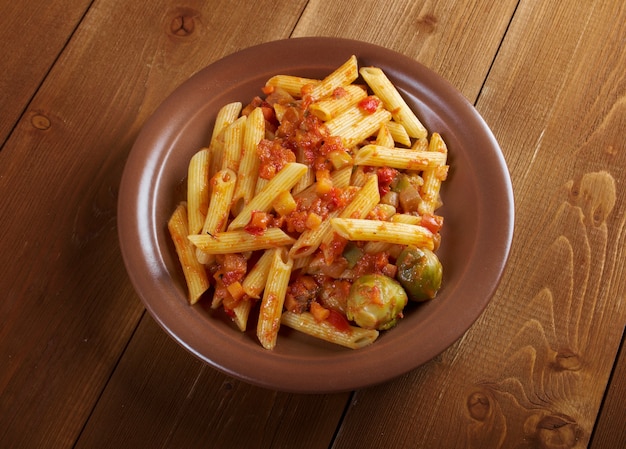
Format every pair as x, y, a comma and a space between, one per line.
420, 273
375, 301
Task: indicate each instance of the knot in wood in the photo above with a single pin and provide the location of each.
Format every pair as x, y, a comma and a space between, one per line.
567, 360
40, 121
427, 23
557, 432
182, 25
479, 406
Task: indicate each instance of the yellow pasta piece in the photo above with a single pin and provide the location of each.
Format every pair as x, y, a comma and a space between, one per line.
401, 158
362, 203
383, 231
194, 272
225, 116
233, 142
284, 180
308, 178
198, 190
354, 338
274, 298
387, 92
254, 282
399, 133
342, 76
331, 107
341, 178
291, 84
433, 178
355, 125
310, 239
249, 165
241, 312
384, 138
222, 189
240, 241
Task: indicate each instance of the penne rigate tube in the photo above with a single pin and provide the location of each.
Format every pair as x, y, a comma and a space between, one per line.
198, 190
433, 177
284, 180
343, 75
353, 338
240, 241
293, 85
356, 229
400, 158
387, 92
222, 188
194, 272
274, 298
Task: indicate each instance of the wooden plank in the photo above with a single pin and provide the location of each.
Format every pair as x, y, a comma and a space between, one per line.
204, 406
27, 57
610, 431
68, 309
533, 370
441, 35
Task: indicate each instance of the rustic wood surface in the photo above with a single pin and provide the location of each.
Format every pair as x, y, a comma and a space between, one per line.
83, 365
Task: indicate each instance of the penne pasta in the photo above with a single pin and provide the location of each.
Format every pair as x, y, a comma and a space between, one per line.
222, 189
383, 231
385, 138
274, 298
433, 177
354, 337
363, 202
198, 190
330, 108
194, 272
401, 158
249, 165
285, 179
233, 140
293, 85
399, 133
355, 125
225, 117
240, 241
254, 282
342, 76
387, 92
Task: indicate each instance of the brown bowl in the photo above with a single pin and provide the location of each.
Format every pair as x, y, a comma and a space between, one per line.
478, 211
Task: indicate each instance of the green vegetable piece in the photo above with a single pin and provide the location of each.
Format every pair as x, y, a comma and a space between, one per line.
420, 273
352, 253
376, 301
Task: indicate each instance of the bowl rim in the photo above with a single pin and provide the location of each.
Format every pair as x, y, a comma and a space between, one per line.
275, 369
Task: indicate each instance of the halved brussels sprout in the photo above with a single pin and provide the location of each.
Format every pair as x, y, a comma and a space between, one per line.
420, 273
376, 301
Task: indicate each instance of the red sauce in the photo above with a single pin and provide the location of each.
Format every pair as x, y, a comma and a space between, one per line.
338, 321
369, 104
259, 222
386, 176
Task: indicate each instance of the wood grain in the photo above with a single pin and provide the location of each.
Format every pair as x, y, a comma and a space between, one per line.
82, 364
610, 431
30, 45
67, 303
551, 336
421, 30
206, 405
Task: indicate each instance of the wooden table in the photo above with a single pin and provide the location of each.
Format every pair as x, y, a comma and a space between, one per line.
82, 365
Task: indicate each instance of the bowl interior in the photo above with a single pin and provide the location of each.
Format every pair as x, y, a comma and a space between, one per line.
478, 212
